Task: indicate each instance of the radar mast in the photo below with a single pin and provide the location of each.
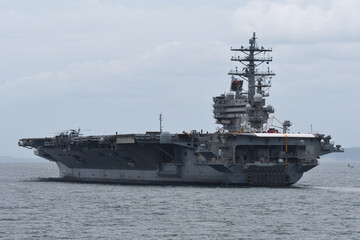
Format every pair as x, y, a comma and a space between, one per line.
246, 110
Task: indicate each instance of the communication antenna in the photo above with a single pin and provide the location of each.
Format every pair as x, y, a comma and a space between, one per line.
161, 119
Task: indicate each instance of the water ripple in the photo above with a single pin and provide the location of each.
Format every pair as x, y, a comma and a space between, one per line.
321, 206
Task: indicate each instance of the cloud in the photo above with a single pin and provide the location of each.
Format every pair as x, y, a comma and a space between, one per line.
300, 21
114, 66
160, 66
77, 76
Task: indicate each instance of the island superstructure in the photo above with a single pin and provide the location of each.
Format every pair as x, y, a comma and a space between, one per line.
246, 150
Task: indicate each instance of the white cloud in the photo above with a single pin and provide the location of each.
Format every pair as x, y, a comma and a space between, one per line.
300, 21
113, 66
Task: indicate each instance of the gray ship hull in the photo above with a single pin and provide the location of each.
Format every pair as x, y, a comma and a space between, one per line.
152, 177
263, 159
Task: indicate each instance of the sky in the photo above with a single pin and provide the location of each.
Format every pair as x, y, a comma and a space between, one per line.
114, 66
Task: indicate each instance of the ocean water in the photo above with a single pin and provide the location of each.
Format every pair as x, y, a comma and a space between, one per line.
325, 204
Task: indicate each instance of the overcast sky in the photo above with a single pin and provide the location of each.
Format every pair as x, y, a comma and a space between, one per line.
115, 65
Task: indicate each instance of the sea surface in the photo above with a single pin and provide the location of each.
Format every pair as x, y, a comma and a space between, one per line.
325, 204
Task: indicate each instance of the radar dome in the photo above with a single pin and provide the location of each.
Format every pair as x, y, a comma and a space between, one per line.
257, 97
270, 109
230, 95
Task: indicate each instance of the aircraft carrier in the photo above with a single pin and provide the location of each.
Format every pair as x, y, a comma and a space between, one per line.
247, 150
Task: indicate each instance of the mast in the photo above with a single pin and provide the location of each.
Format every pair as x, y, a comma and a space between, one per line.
161, 120
251, 61
246, 109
